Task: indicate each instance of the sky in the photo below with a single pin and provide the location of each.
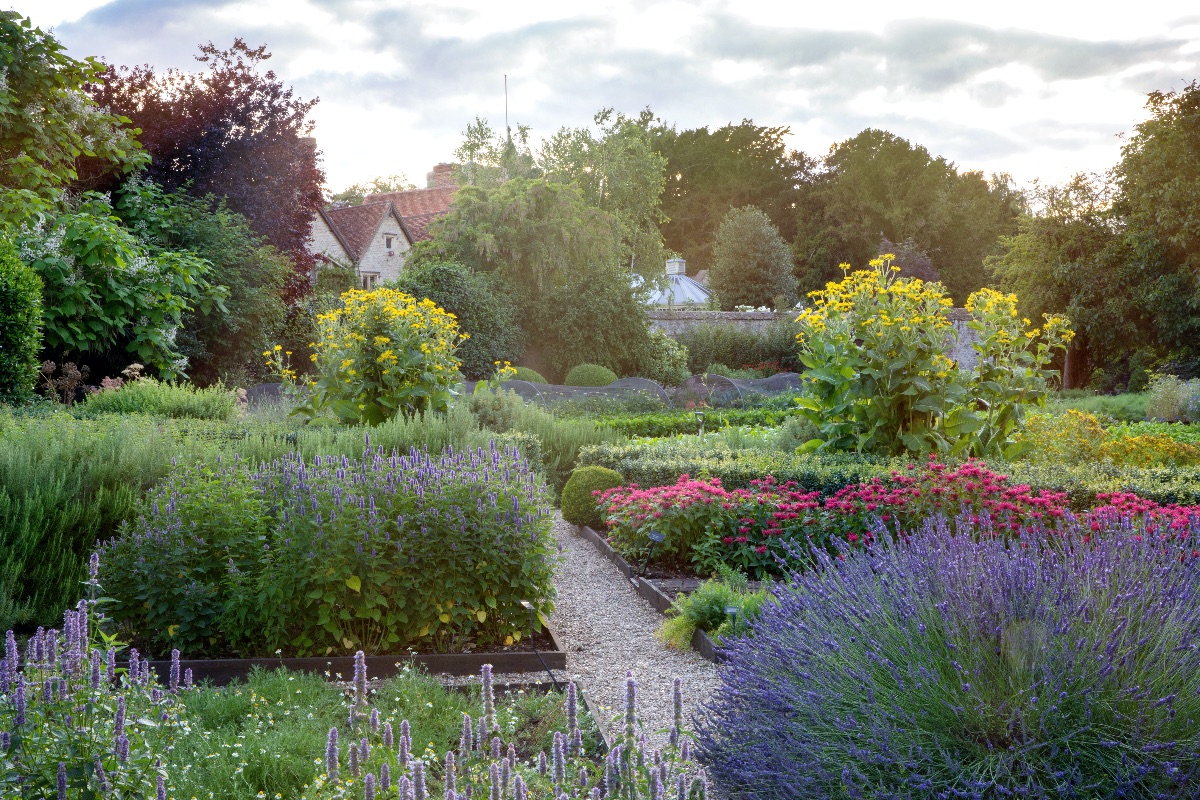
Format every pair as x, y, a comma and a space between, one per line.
1038, 90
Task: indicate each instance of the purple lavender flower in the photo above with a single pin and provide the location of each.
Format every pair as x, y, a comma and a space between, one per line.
364, 751
418, 781
385, 777
369, 787
389, 739
374, 720
20, 700
331, 755
518, 788
496, 745
352, 756
558, 751
466, 741
187, 678
542, 763
360, 679
101, 777
494, 782
489, 699
572, 707
630, 707
448, 778
173, 684
122, 748
62, 781
160, 789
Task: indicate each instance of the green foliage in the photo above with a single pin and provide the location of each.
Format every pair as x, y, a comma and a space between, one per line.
20, 326
578, 503
880, 381
661, 464
664, 360
148, 396
877, 183
618, 172
104, 287
752, 264
589, 375
1123, 407
330, 557
677, 422
1173, 400
739, 348
484, 313
47, 121
221, 342
528, 375
707, 609
64, 741
711, 172
380, 354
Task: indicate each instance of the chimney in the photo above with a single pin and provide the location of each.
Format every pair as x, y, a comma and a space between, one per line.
676, 266
441, 176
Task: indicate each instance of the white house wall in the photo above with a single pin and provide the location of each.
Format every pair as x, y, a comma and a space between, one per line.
323, 242
375, 258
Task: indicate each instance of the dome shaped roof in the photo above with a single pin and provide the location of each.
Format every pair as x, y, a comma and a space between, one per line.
679, 291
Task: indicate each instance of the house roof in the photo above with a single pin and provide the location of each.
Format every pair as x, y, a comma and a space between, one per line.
415, 202
354, 226
417, 225
679, 291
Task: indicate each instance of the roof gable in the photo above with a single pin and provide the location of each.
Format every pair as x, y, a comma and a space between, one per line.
414, 202
355, 226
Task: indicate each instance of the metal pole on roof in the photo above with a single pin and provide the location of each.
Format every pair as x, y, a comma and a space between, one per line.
507, 130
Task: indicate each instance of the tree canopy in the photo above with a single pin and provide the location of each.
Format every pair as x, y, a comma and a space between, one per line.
752, 264
232, 131
47, 121
710, 172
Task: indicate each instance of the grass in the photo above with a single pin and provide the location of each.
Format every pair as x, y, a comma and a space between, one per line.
1121, 407
267, 735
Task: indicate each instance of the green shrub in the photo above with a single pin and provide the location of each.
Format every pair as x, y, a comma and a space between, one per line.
483, 311
774, 349
749, 374
707, 609
589, 375
20, 326
1173, 400
328, 556
679, 422
578, 503
148, 396
528, 375
665, 360
661, 464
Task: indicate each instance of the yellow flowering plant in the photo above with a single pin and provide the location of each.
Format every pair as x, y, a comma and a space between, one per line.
879, 378
382, 353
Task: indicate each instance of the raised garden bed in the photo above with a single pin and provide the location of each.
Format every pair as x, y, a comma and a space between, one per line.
655, 592
222, 670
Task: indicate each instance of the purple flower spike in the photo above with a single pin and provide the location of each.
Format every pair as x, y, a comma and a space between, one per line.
101, 777
448, 778
174, 679
62, 781
389, 739
20, 700
519, 788
331, 755
352, 754
374, 720
122, 748
418, 782
360, 679
369, 787
385, 777
160, 789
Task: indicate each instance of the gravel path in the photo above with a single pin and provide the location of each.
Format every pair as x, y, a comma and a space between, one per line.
606, 629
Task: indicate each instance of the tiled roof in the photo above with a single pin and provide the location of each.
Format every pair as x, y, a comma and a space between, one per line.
415, 202
355, 225
418, 224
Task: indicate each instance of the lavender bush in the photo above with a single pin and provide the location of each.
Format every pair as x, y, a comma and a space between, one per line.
312, 557
73, 724
953, 668
365, 761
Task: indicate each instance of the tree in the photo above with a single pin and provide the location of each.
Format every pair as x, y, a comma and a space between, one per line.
229, 132
618, 172
221, 342
752, 264
710, 172
558, 257
488, 159
47, 121
877, 185
482, 309
356, 193
909, 259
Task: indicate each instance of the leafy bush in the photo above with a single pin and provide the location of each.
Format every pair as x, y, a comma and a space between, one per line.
72, 725
148, 396
739, 348
960, 665
880, 380
676, 422
707, 609
1173, 400
752, 264
20, 326
528, 375
1077, 438
589, 375
484, 765
665, 360
483, 311
578, 495
383, 553
380, 354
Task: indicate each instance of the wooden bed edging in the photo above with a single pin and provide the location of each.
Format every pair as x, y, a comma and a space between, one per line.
222, 670
649, 591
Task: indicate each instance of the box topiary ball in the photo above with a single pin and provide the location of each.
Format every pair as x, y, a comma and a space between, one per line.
578, 504
528, 375
590, 375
